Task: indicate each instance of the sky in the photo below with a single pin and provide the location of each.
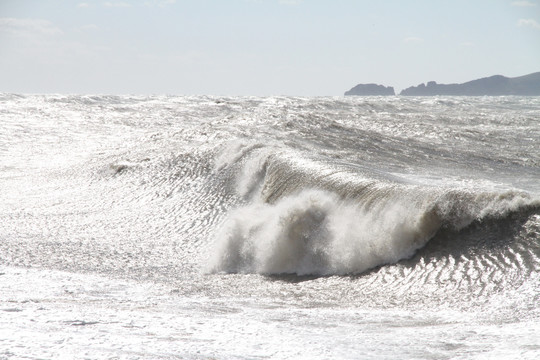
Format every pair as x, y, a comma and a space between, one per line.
260, 47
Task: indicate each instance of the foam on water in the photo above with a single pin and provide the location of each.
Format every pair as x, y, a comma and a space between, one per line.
315, 232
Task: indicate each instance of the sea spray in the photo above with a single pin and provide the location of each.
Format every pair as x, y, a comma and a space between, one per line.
315, 232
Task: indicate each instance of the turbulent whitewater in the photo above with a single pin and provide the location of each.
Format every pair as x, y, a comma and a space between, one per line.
278, 227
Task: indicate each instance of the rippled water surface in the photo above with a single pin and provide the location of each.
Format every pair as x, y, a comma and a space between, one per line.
284, 228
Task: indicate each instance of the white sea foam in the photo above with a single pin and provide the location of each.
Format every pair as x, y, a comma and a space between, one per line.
314, 232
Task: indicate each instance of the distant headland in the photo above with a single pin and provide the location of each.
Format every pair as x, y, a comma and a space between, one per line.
497, 85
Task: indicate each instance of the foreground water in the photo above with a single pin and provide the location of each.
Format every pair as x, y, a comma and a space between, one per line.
196, 227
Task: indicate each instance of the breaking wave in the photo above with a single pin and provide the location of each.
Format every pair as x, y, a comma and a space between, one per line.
308, 217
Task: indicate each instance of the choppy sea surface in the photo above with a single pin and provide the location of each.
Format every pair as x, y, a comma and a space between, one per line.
174, 227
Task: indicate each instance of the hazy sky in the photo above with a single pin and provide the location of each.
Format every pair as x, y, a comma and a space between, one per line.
260, 47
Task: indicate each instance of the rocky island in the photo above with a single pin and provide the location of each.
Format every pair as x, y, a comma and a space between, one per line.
371, 90
497, 85
527, 85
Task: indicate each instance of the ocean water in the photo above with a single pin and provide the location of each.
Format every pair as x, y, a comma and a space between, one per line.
174, 227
